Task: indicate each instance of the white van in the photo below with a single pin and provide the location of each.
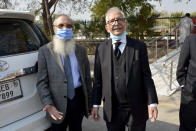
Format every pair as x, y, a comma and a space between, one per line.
20, 105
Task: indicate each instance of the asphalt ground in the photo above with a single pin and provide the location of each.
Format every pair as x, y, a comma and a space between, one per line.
168, 118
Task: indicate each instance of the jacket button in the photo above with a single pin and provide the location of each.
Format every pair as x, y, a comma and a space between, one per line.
65, 96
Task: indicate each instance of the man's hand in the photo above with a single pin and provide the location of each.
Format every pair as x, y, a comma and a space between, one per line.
95, 113
153, 111
54, 113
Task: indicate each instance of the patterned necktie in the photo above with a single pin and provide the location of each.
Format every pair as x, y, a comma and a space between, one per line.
68, 74
117, 52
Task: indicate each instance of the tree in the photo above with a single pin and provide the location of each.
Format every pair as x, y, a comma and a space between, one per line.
175, 18
193, 14
5, 4
140, 25
129, 7
138, 13
47, 8
8, 4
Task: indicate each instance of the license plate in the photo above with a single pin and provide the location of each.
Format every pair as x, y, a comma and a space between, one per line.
10, 90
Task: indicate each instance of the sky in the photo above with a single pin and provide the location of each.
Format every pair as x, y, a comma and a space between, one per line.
172, 6
166, 5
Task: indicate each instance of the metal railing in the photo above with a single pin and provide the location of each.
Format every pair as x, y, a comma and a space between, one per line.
155, 40
171, 63
162, 38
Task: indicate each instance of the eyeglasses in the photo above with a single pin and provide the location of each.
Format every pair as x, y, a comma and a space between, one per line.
112, 21
60, 26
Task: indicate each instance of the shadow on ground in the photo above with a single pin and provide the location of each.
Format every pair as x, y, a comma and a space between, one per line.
91, 125
161, 126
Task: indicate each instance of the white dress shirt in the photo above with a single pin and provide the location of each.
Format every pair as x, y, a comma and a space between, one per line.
122, 45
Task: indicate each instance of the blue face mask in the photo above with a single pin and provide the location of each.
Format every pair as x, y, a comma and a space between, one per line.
65, 33
115, 37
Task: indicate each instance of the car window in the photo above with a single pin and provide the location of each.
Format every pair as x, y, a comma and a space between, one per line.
17, 37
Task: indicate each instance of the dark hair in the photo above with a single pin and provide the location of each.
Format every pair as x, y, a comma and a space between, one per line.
187, 14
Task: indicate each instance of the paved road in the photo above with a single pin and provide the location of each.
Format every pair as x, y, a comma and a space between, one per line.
168, 119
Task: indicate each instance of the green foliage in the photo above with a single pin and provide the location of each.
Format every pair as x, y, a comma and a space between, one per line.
193, 14
100, 7
39, 8
138, 13
175, 18
90, 29
141, 25
76, 27
127, 6
97, 26
177, 14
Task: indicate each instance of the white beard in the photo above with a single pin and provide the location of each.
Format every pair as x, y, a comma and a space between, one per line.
63, 46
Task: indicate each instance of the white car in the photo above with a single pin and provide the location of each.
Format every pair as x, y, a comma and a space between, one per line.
20, 105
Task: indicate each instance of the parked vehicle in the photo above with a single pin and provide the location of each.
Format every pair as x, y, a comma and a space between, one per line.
20, 105
194, 22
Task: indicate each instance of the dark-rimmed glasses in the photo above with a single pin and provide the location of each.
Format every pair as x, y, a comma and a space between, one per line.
112, 21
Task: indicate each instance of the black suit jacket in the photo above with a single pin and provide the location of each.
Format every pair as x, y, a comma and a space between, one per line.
186, 70
141, 89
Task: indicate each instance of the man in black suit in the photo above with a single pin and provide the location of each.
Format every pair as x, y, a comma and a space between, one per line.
122, 79
186, 77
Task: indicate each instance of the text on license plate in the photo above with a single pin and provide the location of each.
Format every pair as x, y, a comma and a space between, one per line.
9, 90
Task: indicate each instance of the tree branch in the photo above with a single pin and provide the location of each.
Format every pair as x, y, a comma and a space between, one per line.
51, 3
54, 7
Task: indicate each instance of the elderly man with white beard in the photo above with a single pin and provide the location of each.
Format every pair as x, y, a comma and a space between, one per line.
64, 82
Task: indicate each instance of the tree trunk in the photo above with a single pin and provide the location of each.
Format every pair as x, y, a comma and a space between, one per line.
49, 19
44, 16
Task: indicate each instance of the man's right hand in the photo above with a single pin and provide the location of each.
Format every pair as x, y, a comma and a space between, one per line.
54, 113
95, 113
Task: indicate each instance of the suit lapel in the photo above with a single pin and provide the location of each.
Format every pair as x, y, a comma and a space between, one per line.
108, 54
129, 57
79, 59
78, 56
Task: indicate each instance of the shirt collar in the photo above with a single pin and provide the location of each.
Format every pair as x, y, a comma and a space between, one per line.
123, 40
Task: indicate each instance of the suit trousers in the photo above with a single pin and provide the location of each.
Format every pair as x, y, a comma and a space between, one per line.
121, 118
74, 113
188, 116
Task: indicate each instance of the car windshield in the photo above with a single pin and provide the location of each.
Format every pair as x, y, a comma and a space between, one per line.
17, 36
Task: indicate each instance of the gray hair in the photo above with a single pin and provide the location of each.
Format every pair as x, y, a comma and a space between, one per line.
55, 20
113, 9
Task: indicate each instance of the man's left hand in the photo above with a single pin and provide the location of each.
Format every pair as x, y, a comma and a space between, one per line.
153, 111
